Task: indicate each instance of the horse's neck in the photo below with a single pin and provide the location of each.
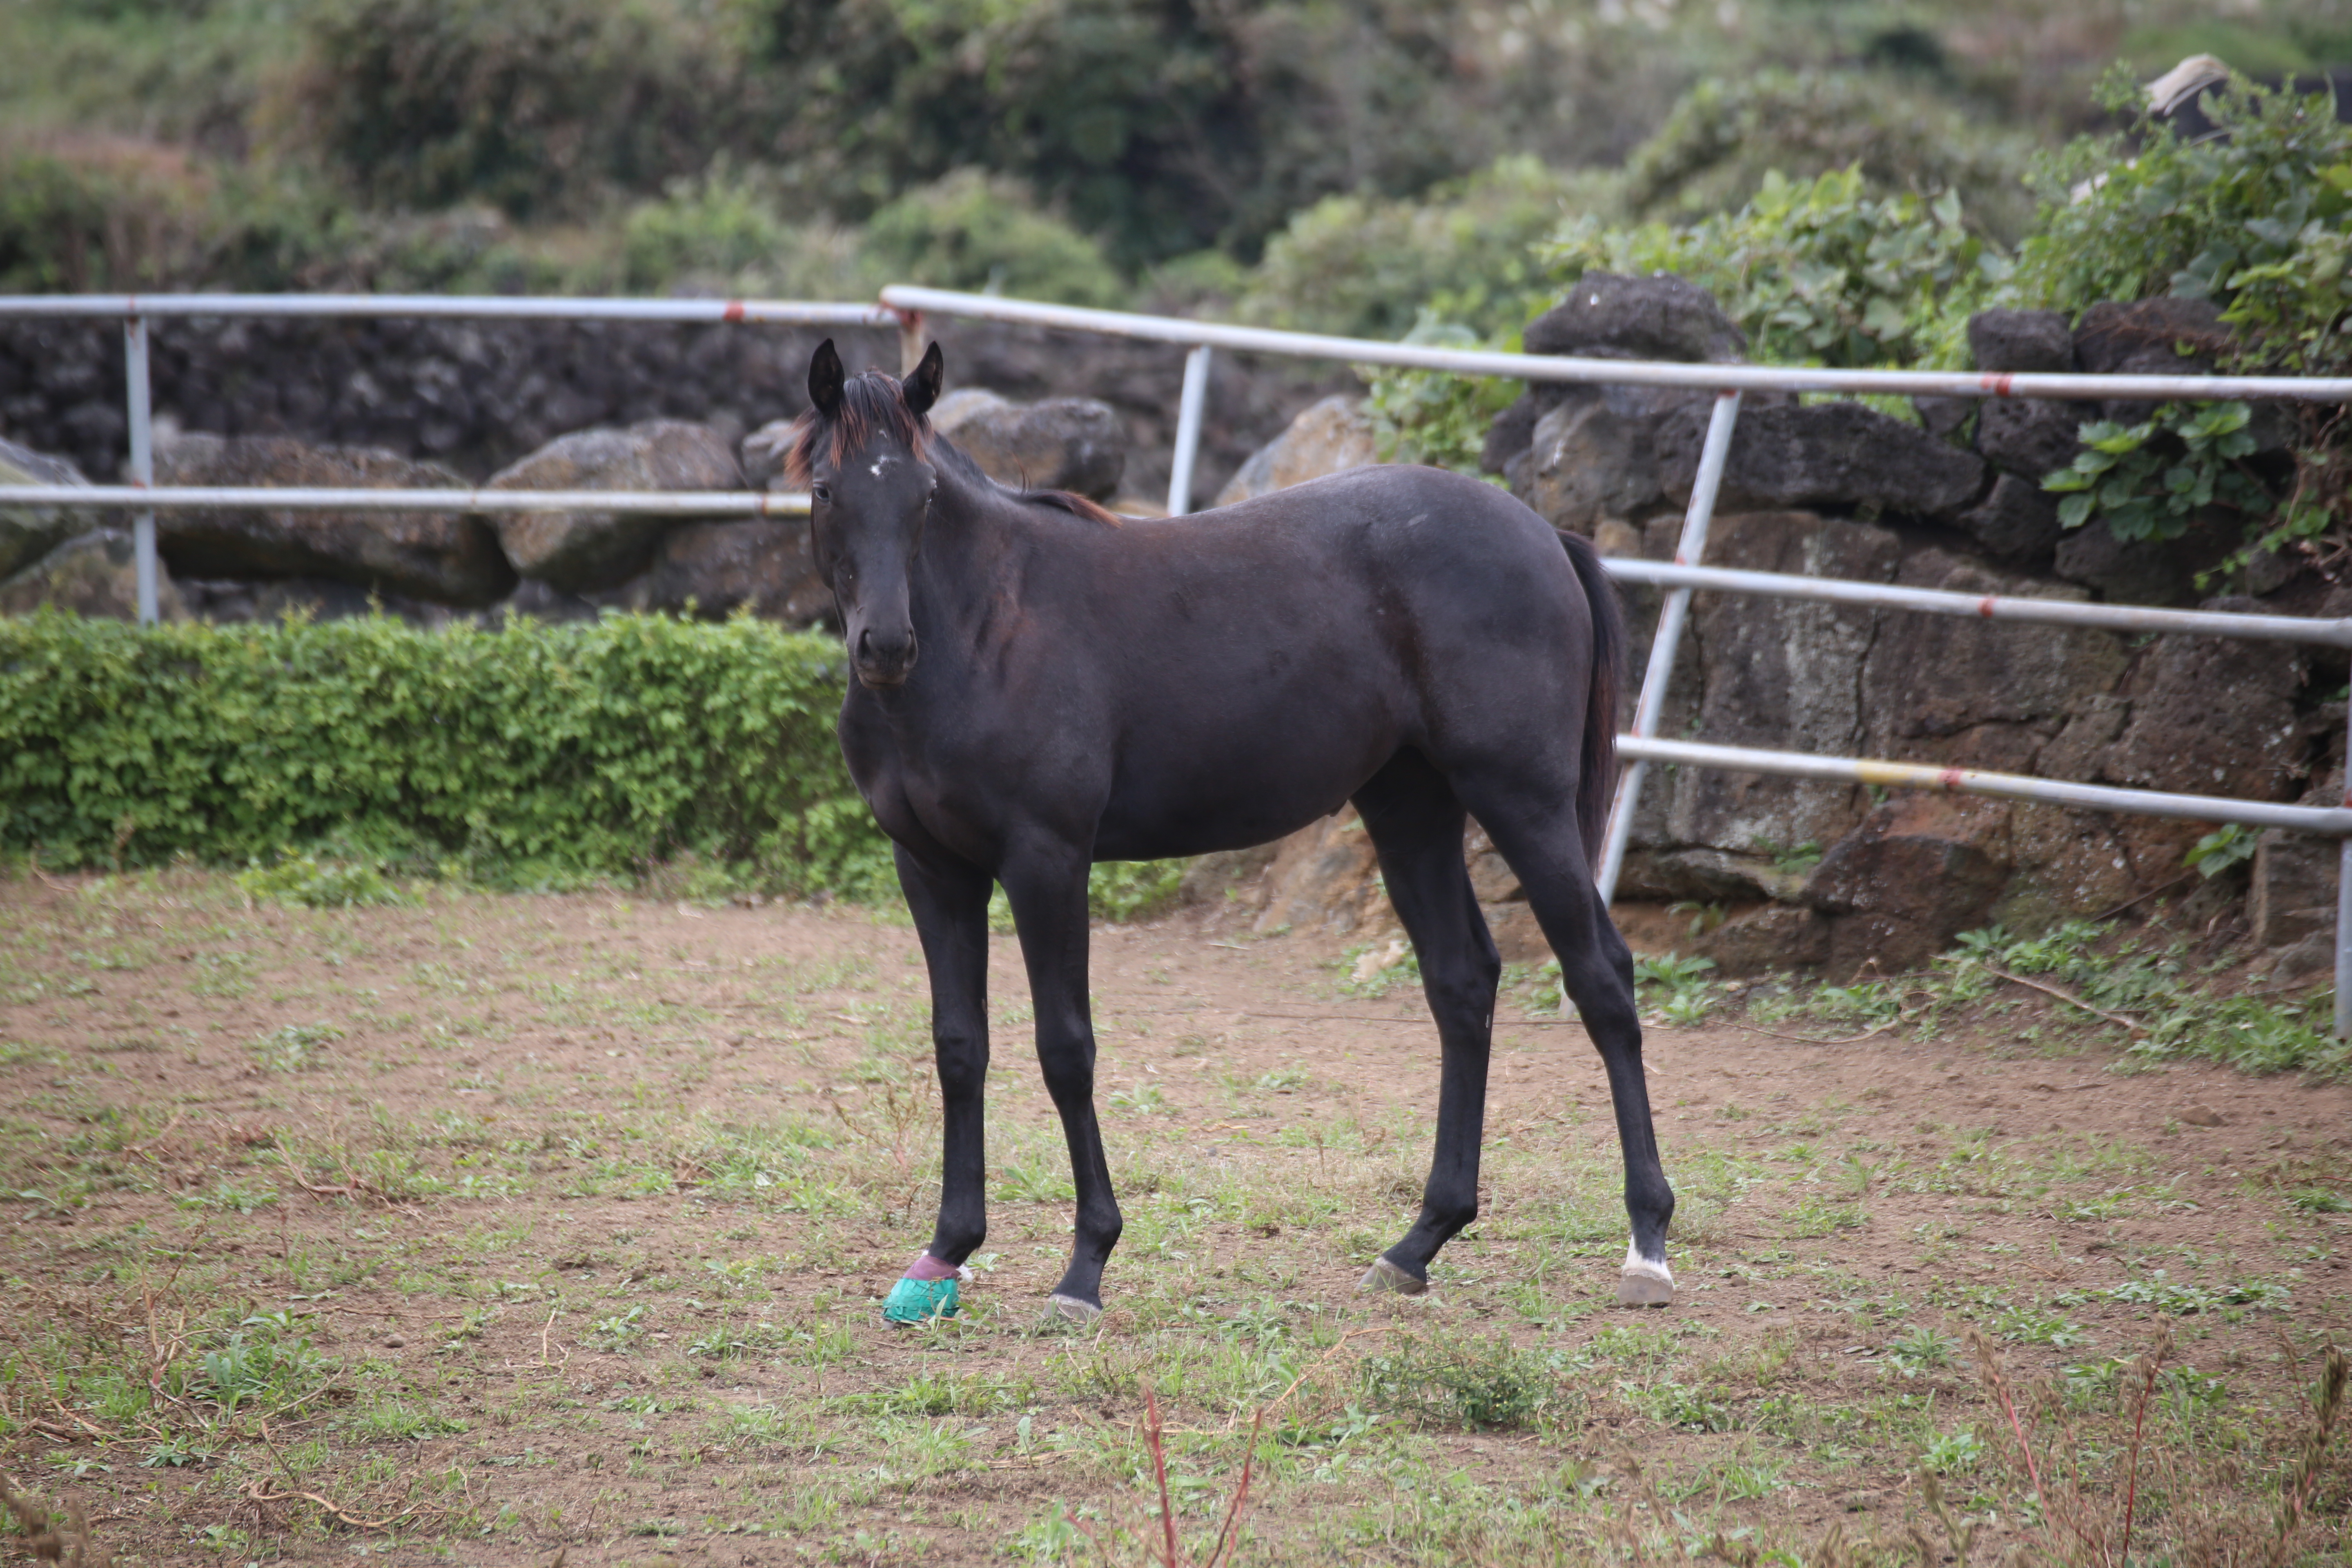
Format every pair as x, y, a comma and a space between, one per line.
974, 533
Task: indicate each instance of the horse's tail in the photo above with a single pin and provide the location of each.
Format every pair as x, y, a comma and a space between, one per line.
1596, 780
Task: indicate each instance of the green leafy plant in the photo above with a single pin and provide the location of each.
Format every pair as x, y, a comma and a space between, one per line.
1682, 1405
2150, 480
1953, 1453
1791, 859
1815, 271
1432, 417
1689, 995
2232, 844
532, 107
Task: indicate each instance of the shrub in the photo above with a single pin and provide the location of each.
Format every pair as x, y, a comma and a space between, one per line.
1161, 128
1367, 267
118, 216
1816, 272
971, 231
2259, 220
721, 224
531, 753
531, 105
1133, 890
1725, 138
320, 885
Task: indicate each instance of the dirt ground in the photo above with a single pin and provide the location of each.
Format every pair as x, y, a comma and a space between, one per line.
489, 1226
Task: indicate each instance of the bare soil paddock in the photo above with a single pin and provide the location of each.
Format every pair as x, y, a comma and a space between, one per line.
486, 1227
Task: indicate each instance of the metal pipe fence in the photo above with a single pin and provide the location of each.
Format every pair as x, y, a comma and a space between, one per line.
906, 307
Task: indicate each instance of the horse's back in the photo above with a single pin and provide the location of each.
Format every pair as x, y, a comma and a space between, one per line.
1446, 567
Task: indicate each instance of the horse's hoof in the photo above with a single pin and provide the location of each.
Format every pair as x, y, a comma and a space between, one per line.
1386, 1278
1644, 1282
1061, 1308
920, 1300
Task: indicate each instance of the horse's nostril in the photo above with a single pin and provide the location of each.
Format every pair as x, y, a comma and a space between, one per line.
865, 642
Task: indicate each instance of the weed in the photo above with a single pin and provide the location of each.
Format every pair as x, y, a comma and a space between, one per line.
63, 1541
1372, 971
292, 1046
621, 1330
1143, 1099
1953, 1453
321, 885
1922, 1349
2181, 1299
1479, 1382
1673, 1404
1033, 1182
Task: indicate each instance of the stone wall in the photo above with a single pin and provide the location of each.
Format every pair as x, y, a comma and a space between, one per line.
475, 396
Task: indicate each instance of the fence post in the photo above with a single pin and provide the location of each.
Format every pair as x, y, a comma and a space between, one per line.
142, 459
1188, 431
2343, 902
1671, 615
910, 340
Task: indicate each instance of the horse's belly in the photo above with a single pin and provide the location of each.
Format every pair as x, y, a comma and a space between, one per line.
1193, 790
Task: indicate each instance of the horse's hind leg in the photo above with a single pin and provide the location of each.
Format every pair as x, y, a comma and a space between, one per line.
1535, 831
1416, 824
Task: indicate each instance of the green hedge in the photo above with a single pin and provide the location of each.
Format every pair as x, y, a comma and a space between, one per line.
535, 754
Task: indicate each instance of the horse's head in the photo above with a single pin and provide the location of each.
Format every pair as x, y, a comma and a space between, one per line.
862, 454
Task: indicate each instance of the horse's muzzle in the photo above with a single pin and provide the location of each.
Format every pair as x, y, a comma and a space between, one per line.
881, 662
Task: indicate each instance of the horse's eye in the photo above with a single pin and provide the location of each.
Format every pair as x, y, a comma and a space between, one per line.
822, 492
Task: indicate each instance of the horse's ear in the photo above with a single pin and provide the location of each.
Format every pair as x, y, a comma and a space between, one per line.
825, 380
923, 388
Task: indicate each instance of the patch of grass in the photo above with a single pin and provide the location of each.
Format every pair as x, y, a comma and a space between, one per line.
2180, 1298
400, 1421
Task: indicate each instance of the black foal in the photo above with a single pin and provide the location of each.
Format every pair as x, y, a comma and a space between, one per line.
1041, 685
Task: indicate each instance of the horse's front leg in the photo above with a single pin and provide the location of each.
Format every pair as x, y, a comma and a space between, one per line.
1046, 884
949, 903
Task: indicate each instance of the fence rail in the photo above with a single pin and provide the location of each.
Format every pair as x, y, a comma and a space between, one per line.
460, 307
293, 498
905, 307
1623, 372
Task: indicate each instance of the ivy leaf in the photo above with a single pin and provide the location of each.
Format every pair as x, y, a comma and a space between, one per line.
2075, 509
1885, 317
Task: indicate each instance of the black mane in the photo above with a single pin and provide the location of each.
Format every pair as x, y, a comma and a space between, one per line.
874, 403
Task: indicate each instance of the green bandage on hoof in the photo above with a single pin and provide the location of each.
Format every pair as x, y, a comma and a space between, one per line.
919, 1300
